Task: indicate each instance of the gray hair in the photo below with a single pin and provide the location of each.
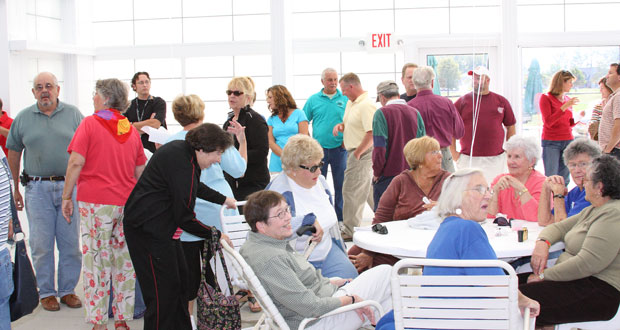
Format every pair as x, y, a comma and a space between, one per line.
581, 146
34, 81
326, 71
531, 148
451, 197
115, 92
423, 77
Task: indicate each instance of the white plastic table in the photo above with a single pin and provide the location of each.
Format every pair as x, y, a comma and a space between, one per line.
403, 241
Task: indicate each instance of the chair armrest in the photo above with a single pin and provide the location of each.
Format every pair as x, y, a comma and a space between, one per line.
344, 309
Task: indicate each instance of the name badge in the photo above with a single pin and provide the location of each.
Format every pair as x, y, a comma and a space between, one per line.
500, 109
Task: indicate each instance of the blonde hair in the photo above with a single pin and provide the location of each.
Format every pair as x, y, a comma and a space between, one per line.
300, 149
246, 85
415, 150
351, 78
188, 109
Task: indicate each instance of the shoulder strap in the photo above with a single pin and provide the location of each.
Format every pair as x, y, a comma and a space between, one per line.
17, 228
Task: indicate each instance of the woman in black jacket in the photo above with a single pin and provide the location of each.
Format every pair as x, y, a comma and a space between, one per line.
241, 96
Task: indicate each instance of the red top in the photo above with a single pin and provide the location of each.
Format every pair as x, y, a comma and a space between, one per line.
5, 121
557, 125
108, 173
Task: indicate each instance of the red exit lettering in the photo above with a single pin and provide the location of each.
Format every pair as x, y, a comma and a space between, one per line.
381, 40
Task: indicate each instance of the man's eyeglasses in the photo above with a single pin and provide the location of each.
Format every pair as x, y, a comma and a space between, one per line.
143, 82
482, 190
282, 214
40, 88
581, 165
312, 169
236, 93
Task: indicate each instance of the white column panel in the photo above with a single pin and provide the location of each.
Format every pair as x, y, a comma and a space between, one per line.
510, 61
281, 43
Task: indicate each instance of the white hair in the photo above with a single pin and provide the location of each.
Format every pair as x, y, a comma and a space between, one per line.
34, 81
454, 186
423, 77
326, 71
530, 146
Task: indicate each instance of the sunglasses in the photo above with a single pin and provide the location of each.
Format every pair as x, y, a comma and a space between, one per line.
502, 221
312, 169
236, 93
379, 229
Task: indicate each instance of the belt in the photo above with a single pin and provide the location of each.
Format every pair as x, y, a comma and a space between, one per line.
46, 178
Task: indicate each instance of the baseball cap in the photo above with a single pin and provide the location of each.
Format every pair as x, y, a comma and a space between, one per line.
386, 86
480, 70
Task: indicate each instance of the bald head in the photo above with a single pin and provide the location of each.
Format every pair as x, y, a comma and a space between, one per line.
45, 89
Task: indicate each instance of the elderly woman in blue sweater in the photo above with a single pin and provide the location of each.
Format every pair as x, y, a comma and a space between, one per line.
309, 197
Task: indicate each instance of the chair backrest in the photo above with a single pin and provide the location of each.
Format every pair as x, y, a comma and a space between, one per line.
234, 226
454, 302
273, 317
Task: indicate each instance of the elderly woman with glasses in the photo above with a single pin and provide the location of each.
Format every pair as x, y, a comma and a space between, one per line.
584, 284
517, 192
404, 196
462, 206
556, 109
578, 156
309, 197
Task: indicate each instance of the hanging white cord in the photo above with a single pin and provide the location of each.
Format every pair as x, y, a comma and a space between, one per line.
475, 102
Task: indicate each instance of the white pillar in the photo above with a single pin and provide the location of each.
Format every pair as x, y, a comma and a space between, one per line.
4, 54
510, 59
281, 43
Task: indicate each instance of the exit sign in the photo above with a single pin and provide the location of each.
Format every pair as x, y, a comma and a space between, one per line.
378, 42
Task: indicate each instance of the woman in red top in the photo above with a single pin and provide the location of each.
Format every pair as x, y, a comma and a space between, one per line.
556, 109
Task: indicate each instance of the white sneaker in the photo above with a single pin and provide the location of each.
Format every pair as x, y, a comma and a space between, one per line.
191, 318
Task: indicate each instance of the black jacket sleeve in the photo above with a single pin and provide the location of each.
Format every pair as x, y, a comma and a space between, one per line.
258, 142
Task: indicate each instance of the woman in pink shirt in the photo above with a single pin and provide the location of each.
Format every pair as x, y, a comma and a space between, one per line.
517, 192
556, 109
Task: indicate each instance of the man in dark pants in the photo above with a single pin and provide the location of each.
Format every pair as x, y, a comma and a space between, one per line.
160, 205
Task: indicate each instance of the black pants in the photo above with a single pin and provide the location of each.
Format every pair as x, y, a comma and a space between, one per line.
582, 300
162, 272
193, 259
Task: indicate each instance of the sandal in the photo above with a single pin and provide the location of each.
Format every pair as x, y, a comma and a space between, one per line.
121, 324
242, 295
254, 305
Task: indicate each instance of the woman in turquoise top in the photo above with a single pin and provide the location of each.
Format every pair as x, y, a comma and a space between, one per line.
285, 121
188, 110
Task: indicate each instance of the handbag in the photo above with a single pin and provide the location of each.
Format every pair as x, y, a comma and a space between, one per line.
216, 311
25, 297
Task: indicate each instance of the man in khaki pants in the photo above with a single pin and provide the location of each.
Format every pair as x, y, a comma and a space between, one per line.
357, 139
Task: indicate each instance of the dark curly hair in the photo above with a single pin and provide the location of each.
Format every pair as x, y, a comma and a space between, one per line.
135, 78
208, 138
283, 100
256, 209
606, 169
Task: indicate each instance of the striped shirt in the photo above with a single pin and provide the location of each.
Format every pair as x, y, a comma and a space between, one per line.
611, 112
5, 200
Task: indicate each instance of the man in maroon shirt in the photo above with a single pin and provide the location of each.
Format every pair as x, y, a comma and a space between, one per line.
487, 114
5, 125
438, 113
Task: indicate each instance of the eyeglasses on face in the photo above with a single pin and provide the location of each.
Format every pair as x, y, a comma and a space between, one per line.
236, 93
143, 82
282, 214
312, 168
482, 189
47, 86
580, 165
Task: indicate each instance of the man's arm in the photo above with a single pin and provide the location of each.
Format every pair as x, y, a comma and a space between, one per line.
14, 158
364, 145
615, 137
455, 154
510, 131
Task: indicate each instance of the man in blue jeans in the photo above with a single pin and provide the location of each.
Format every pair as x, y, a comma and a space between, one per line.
325, 110
42, 132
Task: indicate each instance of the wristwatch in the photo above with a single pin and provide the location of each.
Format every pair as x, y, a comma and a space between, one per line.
522, 192
541, 276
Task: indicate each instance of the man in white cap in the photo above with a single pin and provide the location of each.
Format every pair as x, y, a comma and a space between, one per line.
393, 125
485, 150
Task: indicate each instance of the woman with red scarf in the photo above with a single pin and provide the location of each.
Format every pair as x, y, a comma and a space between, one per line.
106, 159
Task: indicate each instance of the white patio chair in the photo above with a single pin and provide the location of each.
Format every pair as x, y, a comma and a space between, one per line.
234, 226
456, 302
613, 324
273, 319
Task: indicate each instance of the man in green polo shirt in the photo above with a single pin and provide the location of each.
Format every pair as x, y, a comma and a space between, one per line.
42, 132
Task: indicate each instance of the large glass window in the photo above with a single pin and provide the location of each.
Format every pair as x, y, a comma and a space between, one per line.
44, 20
588, 64
451, 70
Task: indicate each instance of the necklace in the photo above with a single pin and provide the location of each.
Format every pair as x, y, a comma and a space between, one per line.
138, 113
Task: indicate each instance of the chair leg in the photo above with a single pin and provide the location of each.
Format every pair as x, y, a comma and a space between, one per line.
260, 321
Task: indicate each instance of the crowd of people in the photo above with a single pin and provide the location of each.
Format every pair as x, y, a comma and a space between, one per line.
143, 222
